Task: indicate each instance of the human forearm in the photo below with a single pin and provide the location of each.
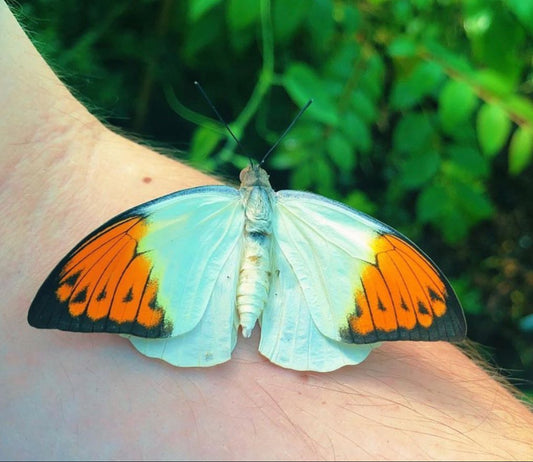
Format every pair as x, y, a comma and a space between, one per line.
63, 174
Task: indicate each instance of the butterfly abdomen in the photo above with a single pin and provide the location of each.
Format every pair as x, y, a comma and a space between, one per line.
254, 280
255, 268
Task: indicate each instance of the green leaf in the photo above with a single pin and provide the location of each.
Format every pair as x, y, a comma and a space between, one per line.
242, 13
456, 103
471, 199
468, 160
430, 204
493, 128
402, 47
341, 63
418, 169
413, 133
204, 141
303, 84
340, 151
520, 150
421, 82
197, 8
287, 17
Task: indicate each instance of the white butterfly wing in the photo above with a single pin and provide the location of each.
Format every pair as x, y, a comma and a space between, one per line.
214, 337
191, 239
345, 281
164, 269
197, 244
289, 336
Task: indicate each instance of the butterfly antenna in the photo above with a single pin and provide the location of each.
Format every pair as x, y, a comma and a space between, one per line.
204, 94
286, 131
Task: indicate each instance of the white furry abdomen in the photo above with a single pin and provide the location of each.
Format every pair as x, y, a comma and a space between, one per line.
255, 268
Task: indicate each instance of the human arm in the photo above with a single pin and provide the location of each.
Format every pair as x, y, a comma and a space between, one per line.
67, 395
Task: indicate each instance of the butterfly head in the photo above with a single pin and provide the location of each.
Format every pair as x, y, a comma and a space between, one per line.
254, 175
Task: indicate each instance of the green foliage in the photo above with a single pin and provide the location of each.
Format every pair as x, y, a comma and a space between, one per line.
520, 150
493, 128
422, 110
300, 81
457, 101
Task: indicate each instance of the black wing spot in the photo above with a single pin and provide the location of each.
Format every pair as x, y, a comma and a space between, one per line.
81, 296
404, 306
129, 296
102, 295
422, 308
71, 280
434, 296
153, 303
381, 306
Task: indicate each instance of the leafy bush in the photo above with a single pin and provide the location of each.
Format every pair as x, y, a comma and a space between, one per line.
422, 115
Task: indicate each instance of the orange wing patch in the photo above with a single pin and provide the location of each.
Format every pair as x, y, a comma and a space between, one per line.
401, 297
107, 281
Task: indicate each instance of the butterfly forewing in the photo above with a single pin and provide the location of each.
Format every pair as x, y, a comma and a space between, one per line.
363, 281
104, 284
139, 273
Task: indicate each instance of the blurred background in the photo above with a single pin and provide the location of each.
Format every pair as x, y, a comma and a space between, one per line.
422, 117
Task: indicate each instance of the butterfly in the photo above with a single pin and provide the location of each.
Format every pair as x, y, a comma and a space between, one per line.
178, 275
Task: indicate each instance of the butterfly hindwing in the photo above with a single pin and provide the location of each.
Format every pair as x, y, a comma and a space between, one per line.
362, 281
289, 335
140, 274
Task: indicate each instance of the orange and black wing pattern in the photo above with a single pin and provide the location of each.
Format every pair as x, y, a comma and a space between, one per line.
403, 296
104, 285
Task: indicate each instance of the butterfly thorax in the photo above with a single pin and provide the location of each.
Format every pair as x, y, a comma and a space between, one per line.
255, 266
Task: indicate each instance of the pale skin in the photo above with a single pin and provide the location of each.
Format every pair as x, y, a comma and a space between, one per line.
66, 395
